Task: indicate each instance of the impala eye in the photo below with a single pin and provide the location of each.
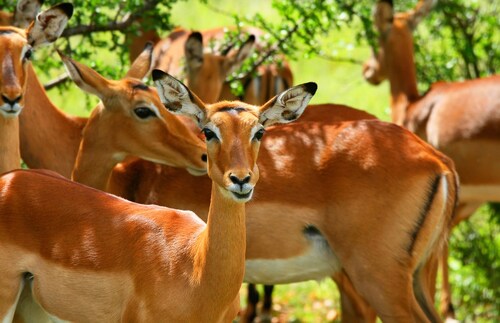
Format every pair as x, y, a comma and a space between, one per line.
28, 54
209, 134
258, 135
144, 113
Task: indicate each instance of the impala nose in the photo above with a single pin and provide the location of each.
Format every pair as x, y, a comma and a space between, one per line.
10, 101
236, 180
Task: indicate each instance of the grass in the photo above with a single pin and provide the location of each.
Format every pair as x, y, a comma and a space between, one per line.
338, 83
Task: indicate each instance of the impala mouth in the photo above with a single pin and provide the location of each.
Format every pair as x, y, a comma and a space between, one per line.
242, 196
10, 112
196, 171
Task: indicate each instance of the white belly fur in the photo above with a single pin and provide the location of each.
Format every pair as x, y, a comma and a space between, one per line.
317, 263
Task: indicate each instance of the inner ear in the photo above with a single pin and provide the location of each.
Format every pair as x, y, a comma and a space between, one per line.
49, 24
177, 98
193, 50
26, 11
287, 106
86, 78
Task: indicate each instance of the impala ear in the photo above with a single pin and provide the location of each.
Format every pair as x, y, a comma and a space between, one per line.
193, 50
143, 63
421, 10
49, 24
287, 106
86, 78
177, 98
26, 11
243, 53
383, 15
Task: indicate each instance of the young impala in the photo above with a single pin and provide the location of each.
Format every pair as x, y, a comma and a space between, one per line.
111, 260
461, 119
130, 121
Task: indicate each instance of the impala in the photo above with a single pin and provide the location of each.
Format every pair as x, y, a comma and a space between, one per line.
15, 52
183, 54
49, 138
461, 119
130, 121
113, 260
320, 211
206, 74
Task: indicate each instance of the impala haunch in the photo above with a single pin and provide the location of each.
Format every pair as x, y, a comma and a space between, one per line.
461, 119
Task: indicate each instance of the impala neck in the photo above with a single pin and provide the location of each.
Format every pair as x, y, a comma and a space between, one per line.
10, 156
95, 161
401, 70
220, 255
49, 138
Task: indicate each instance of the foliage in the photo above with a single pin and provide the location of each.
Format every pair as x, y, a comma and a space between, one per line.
461, 41
98, 25
475, 266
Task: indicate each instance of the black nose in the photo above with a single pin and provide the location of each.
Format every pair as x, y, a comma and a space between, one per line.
204, 157
238, 181
9, 101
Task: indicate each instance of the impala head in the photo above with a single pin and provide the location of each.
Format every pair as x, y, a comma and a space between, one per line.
131, 120
233, 130
206, 73
395, 39
16, 46
24, 14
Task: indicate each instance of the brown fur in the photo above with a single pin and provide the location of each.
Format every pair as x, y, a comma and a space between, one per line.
208, 82
461, 119
114, 132
171, 248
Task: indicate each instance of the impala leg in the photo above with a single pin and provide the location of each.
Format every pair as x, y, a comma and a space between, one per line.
11, 287
250, 312
28, 310
268, 303
354, 307
393, 294
446, 306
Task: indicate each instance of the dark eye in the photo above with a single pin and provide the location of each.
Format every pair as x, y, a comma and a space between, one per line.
144, 113
28, 54
209, 134
258, 135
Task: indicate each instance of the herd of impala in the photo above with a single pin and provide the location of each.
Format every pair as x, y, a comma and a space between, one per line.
97, 231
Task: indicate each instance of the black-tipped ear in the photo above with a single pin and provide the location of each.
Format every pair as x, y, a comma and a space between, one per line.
158, 74
148, 46
196, 36
288, 106
67, 8
388, 2
310, 87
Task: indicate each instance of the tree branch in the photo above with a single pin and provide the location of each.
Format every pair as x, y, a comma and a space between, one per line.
55, 82
114, 25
